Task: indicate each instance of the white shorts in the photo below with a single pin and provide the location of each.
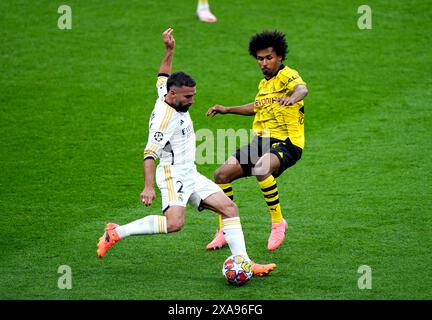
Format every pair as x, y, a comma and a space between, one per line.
180, 185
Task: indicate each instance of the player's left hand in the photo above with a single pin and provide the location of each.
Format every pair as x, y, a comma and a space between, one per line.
285, 101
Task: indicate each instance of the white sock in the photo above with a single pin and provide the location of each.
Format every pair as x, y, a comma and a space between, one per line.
233, 233
202, 5
147, 225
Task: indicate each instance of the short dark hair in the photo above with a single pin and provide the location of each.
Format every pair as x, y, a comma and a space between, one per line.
266, 39
180, 79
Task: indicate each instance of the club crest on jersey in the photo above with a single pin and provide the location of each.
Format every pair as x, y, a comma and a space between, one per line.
158, 136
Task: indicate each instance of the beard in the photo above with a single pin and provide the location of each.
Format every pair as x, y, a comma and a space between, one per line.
182, 107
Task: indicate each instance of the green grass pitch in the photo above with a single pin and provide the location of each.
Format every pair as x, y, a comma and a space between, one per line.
74, 113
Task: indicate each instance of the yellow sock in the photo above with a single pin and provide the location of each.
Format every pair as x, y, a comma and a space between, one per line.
227, 189
220, 221
271, 195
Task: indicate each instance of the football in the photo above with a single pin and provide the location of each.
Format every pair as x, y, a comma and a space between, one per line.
237, 270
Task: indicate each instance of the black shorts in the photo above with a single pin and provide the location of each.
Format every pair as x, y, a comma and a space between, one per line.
287, 153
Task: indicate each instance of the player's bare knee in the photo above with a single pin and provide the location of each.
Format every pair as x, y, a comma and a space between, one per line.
262, 168
259, 171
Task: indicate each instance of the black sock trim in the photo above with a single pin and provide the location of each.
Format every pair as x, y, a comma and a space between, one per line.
269, 188
272, 195
273, 203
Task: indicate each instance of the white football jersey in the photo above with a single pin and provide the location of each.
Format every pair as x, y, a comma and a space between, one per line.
171, 133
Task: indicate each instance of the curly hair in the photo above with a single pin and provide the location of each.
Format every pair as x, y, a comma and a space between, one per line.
266, 39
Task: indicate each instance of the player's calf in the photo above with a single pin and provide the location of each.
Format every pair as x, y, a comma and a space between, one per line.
222, 175
229, 209
176, 217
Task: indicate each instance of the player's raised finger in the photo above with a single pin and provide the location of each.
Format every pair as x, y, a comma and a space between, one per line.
166, 34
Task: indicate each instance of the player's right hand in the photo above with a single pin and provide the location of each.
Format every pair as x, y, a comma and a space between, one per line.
215, 110
168, 39
147, 196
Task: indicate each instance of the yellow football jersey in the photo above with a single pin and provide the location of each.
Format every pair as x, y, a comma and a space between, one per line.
274, 120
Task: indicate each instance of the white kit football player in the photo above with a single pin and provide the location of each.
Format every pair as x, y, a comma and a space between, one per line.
171, 139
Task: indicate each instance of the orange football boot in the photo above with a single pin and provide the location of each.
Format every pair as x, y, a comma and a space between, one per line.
108, 239
261, 270
218, 241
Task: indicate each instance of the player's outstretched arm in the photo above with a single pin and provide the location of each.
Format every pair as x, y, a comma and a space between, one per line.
148, 194
169, 42
245, 110
300, 91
